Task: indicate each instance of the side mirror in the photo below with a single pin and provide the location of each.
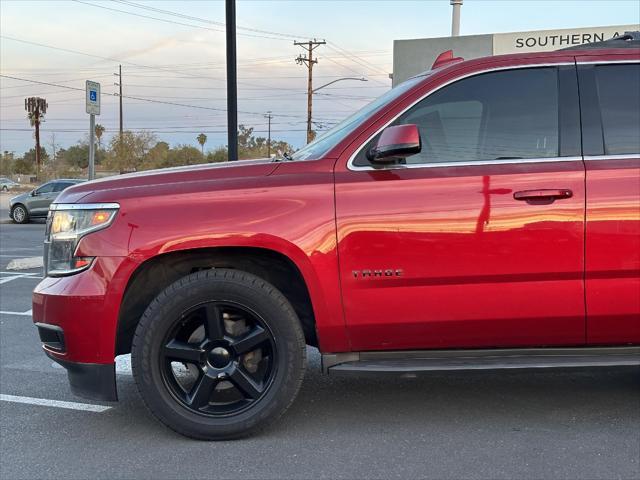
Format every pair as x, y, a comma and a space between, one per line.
33, 193
396, 143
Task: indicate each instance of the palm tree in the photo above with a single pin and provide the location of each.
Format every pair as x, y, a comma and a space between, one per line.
99, 132
202, 139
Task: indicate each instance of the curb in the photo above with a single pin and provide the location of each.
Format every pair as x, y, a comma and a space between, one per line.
25, 263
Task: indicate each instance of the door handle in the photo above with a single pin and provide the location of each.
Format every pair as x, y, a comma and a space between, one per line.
544, 196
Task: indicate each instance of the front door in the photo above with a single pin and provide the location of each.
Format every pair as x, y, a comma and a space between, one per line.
42, 198
455, 247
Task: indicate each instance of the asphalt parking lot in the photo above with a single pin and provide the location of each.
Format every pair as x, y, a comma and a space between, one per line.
581, 424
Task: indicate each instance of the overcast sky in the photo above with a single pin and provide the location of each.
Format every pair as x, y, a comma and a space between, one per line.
179, 58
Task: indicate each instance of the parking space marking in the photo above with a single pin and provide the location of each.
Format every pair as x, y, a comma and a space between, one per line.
28, 313
44, 402
6, 277
11, 278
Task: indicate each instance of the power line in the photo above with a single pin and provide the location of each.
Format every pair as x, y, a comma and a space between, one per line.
269, 35
173, 21
200, 19
111, 59
353, 57
144, 99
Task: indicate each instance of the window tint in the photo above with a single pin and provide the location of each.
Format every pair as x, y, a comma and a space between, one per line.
498, 115
46, 188
59, 186
619, 94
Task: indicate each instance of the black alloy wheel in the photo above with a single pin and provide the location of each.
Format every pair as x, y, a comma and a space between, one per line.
227, 350
219, 354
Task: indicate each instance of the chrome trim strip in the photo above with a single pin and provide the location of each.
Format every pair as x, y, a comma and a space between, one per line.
352, 167
604, 62
624, 156
84, 206
467, 164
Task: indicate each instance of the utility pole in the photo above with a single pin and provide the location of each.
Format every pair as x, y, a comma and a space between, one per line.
232, 81
455, 18
309, 61
119, 85
269, 117
36, 108
54, 148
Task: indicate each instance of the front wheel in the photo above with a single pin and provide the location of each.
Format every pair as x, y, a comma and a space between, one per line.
219, 354
19, 214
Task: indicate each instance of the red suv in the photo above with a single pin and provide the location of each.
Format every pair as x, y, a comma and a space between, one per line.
482, 215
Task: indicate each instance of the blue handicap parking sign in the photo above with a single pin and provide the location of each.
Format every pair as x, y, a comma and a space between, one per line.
93, 95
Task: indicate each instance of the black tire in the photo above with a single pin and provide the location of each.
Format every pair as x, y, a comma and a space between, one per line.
22, 214
179, 308
5, 188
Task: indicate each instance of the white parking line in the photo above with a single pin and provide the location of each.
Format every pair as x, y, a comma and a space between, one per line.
87, 407
5, 272
10, 276
4, 280
28, 313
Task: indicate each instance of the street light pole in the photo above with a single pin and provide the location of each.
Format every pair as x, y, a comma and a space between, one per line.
455, 18
362, 79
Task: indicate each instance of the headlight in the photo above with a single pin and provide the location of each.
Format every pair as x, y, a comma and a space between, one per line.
66, 225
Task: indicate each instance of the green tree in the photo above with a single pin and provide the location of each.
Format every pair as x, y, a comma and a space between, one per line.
6, 163
256, 147
30, 158
99, 131
184, 155
158, 156
127, 152
202, 139
220, 154
77, 156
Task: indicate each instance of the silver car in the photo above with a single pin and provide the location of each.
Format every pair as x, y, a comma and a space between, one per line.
6, 184
35, 204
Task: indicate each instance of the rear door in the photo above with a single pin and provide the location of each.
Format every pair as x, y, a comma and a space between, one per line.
439, 252
610, 99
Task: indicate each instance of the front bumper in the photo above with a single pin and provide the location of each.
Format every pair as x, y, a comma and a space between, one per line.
77, 318
93, 381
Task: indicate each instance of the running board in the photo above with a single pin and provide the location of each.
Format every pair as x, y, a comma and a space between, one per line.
415, 362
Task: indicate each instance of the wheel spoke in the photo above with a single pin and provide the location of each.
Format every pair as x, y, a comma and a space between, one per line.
250, 341
213, 325
183, 352
247, 386
201, 391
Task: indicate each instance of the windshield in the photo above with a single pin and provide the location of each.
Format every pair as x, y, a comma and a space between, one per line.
322, 144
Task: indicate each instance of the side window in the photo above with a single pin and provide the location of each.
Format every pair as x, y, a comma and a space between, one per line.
59, 186
619, 95
499, 115
46, 188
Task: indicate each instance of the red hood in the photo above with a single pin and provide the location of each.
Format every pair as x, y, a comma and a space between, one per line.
166, 180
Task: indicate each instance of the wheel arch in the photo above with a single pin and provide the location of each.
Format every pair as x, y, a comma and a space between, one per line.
160, 271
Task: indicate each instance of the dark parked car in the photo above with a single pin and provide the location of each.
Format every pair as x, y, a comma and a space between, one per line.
35, 204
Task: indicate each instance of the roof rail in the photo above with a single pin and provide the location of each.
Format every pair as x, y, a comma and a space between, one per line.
628, 40
444, 58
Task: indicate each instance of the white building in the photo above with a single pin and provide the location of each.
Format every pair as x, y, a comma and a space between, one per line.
411, 57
